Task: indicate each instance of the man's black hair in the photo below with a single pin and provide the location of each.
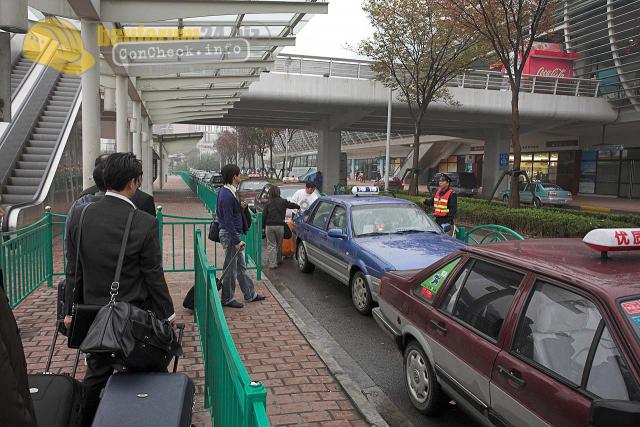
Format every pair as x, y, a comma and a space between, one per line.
98, 176
119, 169
310, 184
101, 159
228, 172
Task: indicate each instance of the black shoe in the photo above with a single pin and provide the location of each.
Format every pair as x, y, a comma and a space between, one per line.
258, 298
234, 304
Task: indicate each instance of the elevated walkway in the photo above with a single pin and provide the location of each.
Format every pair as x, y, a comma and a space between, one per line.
300, 389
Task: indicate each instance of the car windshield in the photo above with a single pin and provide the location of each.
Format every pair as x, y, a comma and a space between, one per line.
631, 310
371, 220
252, 185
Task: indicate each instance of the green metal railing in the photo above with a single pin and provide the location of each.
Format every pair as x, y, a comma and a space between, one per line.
487, 234
26, 258
180, 231
232, 398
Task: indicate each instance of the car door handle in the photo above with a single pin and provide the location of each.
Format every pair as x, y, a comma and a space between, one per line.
439, 326
514, 377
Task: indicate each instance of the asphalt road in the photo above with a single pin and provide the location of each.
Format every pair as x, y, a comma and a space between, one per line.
329, 302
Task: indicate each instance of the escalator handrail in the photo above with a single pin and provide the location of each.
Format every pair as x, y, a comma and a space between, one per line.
9, 211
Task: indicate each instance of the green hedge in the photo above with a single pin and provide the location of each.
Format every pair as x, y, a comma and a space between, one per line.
547, 222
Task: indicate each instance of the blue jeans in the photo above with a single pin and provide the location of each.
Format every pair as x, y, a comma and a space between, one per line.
235, 270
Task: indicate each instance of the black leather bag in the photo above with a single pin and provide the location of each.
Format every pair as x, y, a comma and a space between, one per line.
127, 337
214, 231
83, 314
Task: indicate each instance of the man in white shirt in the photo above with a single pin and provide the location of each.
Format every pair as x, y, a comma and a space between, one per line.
305, 196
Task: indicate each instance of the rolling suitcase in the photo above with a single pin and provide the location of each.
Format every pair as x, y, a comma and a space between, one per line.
147, 399
57, 398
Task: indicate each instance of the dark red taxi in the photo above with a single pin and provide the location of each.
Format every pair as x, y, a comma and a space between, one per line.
523, 333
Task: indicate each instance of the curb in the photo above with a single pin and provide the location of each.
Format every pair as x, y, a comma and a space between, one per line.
361, 389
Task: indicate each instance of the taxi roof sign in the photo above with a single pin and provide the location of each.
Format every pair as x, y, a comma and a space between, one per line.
613, 239
360, 190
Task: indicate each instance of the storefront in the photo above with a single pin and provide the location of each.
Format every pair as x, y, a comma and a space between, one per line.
610, 171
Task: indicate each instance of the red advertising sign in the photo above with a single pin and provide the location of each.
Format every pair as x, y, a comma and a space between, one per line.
548, 60
631, 307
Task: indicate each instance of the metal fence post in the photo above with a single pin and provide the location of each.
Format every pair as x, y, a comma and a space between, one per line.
258, 238
49, 245
486, 85
555, 87
160, 218
577, 88
533, 85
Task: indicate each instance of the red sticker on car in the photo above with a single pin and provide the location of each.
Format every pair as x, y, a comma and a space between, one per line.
427, 293
631, 307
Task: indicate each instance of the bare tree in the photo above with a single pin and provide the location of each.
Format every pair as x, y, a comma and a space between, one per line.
285, 136
510, 27
417, 50
226, 144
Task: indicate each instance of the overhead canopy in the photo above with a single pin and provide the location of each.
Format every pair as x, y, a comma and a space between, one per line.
206, 53
176, 143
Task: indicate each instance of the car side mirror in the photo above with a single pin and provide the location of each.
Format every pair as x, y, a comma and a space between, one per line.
446, 227
337, 233
614, 413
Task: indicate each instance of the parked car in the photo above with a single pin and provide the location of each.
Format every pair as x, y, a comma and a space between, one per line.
394, 183
461, 182
544, 193
522, 333
216, 181
249, 189
310, 175
358, 238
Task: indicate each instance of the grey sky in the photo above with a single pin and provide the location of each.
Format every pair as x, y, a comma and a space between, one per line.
327, 35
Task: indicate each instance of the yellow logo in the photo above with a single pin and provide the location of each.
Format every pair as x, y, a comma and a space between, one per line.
56, 43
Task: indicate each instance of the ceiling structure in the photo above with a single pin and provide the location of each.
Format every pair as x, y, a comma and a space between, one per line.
213, 50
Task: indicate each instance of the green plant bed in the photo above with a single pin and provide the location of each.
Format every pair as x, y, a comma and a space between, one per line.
547, 222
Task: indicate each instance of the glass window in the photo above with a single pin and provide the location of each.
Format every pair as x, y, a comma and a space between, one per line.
393, 218
557, 330
321, 214
610, 377
429, 288
484, 300
449, 300
541, 157
339, 219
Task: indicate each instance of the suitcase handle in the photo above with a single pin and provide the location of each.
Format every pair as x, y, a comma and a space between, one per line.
180, 327
53, 346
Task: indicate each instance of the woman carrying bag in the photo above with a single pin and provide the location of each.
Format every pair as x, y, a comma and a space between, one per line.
273, 219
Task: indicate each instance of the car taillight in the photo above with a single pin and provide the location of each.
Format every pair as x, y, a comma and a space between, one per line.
552, 194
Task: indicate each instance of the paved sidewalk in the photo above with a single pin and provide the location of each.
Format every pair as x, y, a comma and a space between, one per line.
301, 390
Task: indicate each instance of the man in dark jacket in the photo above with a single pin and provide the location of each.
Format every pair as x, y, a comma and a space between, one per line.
230, 217
142, 279
273, 216
142, 200
17, 407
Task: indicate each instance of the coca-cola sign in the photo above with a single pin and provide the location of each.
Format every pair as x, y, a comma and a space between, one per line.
552, 72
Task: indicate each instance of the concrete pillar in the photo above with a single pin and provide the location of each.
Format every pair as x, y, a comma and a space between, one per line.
150, 167
122, 109
497, 144
137, 131
90, 102
329, 157
145, 160
5, 77
161, 171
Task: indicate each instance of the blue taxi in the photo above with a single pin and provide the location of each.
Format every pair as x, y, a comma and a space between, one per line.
357, 238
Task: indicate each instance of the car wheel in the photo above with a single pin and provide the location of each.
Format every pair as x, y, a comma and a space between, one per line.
537, 203
303, 262
505, 198
420, 380
360, 293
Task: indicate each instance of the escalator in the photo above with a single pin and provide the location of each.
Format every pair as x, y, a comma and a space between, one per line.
27, 175
20, 69
41, 150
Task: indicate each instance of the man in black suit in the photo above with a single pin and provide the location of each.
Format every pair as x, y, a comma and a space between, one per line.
142, 200
142, 280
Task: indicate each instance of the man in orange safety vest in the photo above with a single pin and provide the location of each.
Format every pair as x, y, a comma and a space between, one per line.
444, 202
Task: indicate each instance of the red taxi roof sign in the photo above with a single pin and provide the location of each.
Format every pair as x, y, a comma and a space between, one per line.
613, 239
